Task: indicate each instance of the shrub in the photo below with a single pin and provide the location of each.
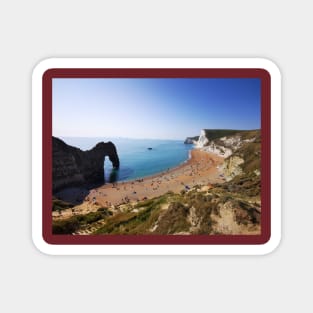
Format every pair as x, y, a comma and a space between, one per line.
174, 220
72, 224
67, 226
58, 204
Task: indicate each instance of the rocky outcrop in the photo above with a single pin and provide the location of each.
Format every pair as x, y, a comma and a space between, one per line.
220, 150
223, 146
74, 167
203, 140
224, 142
240, 149
231, 167
191, 140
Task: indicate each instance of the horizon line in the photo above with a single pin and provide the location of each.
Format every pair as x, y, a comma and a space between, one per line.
117, 137
145, 138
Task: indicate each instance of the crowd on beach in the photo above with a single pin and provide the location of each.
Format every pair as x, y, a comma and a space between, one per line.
200, 169
197, 171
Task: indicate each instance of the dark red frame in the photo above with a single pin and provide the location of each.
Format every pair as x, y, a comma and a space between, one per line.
262, 74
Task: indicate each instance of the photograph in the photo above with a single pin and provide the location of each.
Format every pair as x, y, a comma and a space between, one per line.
165, 156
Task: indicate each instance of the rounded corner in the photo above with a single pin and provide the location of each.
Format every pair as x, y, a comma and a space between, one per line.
270, 66
42, 67
41, 244
271, 245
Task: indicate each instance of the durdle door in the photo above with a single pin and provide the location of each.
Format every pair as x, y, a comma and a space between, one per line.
74, 167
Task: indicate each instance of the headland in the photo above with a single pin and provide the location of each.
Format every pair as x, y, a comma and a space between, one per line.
216, 191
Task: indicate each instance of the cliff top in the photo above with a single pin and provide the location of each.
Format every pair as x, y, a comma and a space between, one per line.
212, 134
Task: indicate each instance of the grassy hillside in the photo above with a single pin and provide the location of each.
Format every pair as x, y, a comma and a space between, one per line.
193, 212
74, 223
231, 207
198, 211
250, 151
58, 205
213, 134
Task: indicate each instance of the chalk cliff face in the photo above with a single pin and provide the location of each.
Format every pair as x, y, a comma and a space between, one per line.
240, 149
203, 140
74, 167
223, 142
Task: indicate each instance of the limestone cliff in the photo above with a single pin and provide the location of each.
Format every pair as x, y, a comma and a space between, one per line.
221, 142
240, 149
191, 140
74, 167
203, 140
231, 167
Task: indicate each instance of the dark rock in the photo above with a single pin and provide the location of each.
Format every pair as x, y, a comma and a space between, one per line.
74, 167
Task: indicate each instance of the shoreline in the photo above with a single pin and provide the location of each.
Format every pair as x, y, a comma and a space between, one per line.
153, 175
199, 169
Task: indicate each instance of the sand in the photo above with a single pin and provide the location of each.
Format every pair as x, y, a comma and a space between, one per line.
201, 169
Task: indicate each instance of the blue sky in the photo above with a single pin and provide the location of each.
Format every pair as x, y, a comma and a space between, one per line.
160, 108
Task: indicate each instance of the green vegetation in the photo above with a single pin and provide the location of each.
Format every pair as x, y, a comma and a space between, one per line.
192, 212
72, 224
137, 221
195, 138
243, 186
189, 212
212, 134
251, 134
174, 220
58, 204
250, 152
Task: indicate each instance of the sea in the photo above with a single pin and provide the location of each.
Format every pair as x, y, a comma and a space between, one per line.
136, 159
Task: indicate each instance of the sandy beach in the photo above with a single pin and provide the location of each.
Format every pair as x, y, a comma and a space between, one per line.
200, 169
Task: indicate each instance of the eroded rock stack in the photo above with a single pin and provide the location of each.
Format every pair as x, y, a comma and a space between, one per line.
74, 167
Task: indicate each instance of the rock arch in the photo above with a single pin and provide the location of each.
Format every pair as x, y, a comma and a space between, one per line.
74, 167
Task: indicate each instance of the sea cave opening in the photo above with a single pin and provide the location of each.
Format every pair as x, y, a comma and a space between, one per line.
110, 174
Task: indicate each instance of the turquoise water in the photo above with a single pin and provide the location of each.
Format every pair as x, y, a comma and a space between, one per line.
136, 160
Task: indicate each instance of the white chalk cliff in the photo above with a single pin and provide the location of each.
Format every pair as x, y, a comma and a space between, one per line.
226, 147
203, 140
224, 150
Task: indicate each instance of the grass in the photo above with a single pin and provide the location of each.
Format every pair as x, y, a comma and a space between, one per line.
72, 224
135, 222
212, 134
189, 212
245, 185
250, 152
174, 220
58, 205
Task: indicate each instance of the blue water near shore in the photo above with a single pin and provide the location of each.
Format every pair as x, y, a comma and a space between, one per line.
136, 160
